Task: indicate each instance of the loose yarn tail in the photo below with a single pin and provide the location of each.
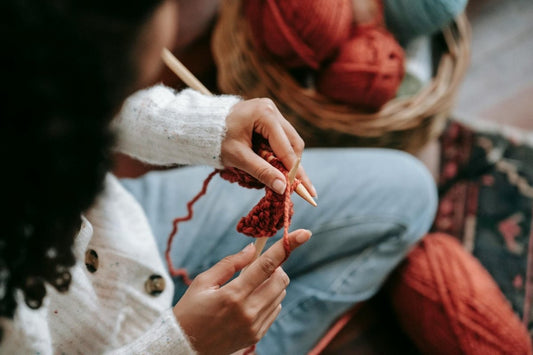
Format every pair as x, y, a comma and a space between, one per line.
181, 271
271, 213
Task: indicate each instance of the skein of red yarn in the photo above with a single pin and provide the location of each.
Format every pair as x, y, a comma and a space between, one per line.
299, 32
449, 304
367, 71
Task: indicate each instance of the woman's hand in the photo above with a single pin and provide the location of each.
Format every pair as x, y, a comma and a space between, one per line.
221, 317
262, 116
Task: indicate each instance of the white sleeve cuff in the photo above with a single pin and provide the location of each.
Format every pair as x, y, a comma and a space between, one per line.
161, 127
165, 336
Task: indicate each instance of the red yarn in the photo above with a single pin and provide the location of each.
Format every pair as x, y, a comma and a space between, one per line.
299, 32
271, 213
367, 71
448, 303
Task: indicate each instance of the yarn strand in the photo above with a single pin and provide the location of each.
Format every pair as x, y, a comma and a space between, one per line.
271, 213
181, 271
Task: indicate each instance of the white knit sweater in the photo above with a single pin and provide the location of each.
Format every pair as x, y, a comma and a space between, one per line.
109, 309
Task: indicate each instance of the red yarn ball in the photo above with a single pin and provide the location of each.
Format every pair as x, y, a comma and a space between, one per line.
367, 71
447, 303
299, 32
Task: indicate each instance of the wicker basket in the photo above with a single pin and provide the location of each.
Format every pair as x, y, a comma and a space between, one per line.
402, 123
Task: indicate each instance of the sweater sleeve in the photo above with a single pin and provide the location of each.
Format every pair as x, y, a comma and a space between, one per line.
162, 127
165, 336
32, 336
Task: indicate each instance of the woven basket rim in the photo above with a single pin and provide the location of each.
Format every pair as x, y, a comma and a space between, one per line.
309, 107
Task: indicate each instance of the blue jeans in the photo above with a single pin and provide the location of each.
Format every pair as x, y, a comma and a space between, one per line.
373, 205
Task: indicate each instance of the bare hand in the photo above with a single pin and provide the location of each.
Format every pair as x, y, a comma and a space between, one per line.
221, 317
263, 117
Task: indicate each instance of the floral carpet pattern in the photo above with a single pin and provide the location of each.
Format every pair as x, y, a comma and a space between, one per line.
486, 201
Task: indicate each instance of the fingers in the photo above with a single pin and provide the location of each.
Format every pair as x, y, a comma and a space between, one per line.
269, 320
224, 270
269, 314
272, 291
263, 117
263, 171
262, 268
288, 146
285, 142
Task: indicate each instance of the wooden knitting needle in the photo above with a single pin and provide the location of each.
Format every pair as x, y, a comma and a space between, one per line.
182, 72
260, 242
188, 78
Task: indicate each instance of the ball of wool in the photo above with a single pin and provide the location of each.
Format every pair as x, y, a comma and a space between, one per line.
447, 303
407, 19
299, 33
367, 71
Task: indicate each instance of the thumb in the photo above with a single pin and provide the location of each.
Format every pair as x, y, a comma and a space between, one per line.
224, 270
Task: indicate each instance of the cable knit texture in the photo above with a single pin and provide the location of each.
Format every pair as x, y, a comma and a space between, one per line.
161, 127
107, 308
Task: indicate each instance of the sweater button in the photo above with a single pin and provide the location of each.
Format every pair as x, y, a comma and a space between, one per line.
155, 285
91, 260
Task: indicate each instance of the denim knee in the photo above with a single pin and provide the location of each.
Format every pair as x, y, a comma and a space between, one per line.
414, 185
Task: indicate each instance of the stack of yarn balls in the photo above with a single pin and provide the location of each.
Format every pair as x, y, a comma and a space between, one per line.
358, 64
447, 303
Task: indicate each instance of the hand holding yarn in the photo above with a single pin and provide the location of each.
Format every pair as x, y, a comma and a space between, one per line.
221, 317
262, 117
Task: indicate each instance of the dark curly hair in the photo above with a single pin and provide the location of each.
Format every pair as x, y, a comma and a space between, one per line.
66, 66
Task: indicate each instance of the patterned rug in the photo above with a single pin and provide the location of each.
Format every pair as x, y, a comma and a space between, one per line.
486, 201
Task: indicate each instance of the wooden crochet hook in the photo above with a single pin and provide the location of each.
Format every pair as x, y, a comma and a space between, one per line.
188, 78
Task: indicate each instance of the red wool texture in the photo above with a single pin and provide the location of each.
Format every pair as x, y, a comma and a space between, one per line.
300, 33
447, 303
272, 212
359, 64
367, 71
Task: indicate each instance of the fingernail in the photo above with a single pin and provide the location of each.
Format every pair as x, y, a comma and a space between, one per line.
278, 186
247, 248
303, 237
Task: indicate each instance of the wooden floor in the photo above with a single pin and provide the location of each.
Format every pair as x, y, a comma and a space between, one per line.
499, 83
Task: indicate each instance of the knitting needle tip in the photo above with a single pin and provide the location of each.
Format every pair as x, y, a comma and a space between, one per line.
303, 193
300, 188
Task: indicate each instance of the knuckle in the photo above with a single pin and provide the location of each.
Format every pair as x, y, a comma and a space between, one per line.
266, 107
201, 279
268, 265
231, 299
268, 103
228, 264
262, 173
248, 318
299, 144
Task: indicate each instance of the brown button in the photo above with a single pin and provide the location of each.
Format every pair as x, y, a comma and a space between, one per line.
155, 285
91, 260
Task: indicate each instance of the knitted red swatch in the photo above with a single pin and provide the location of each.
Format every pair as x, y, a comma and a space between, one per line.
271, 213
